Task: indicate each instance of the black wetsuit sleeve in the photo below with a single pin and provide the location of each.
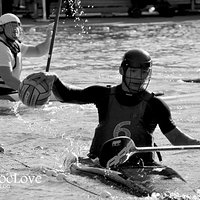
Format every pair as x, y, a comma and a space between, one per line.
162, 115
68, 94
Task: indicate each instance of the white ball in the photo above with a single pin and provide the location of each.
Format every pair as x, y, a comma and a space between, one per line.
32, 30
105, 194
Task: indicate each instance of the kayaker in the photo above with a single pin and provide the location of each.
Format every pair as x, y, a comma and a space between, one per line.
12, 50
127, 109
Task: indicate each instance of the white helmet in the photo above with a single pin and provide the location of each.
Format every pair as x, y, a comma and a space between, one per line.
9, 17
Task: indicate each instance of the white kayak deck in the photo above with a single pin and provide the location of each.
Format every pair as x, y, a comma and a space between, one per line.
139, 181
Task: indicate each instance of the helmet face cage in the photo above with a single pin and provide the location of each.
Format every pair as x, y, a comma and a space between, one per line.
10, 25
13, 31
137, 78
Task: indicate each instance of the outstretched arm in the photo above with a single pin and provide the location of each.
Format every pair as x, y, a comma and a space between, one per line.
168, 127
71, 94
177, 137
42, 48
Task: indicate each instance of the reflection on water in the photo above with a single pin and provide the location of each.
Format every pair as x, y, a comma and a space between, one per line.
91, 54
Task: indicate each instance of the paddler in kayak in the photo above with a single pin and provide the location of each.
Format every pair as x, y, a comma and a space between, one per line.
127, 109
12, 50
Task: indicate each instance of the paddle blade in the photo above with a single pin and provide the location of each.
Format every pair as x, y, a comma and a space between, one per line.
116, 151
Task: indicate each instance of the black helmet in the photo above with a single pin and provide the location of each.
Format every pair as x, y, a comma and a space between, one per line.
136, 58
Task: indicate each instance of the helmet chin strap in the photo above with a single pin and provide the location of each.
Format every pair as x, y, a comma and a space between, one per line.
126, 87
9, 39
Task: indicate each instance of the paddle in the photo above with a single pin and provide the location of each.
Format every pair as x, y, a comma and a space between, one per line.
118, 150
53, 35
197, 80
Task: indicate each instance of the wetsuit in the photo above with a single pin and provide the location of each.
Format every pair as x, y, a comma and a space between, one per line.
155, 112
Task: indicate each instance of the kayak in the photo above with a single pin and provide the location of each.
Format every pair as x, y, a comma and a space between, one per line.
8, 103
139, 181
10, 97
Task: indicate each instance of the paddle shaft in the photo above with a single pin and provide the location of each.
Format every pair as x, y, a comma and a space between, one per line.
165, 148
118, 150
53, 35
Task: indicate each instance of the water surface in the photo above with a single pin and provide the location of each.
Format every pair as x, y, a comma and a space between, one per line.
83, 56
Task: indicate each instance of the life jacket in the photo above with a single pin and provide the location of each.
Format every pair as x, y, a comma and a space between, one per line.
15, 49
123, 121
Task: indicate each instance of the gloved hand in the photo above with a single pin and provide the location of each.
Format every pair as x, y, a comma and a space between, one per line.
49, 77
49, 31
